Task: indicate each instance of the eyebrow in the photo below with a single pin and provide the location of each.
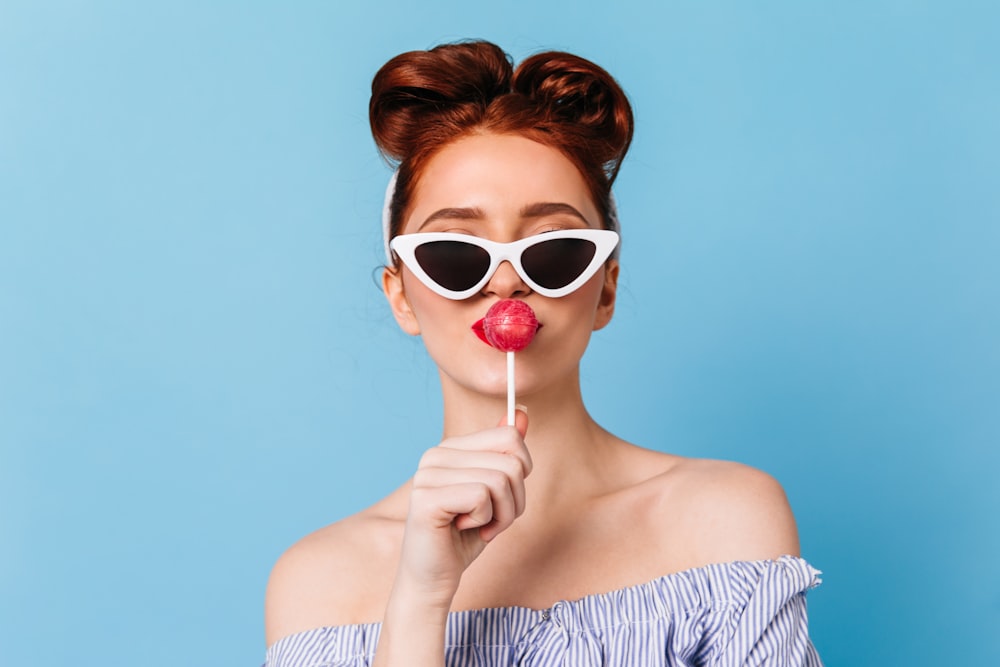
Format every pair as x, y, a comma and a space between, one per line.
537, 210
543, 209
453, 214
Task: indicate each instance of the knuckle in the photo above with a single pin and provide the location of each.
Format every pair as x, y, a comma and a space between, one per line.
496, 479
512, 437
483, 494
421, 478
430, 457
514, 466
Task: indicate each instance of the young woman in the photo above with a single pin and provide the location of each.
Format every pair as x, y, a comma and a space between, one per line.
550, 541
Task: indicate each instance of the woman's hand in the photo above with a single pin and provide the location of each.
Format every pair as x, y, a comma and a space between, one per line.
466, 491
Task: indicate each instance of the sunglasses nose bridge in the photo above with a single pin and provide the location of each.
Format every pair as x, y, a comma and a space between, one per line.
506, 279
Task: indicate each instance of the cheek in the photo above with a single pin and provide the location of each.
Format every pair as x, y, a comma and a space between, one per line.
423, 302
585, 301
442, 321
570, 320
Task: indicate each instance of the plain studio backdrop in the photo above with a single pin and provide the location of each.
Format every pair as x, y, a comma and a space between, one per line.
197, 366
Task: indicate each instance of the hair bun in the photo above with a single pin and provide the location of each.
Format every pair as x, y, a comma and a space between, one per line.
578, 94
418, 90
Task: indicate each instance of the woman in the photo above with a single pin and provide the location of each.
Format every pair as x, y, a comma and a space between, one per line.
549, 541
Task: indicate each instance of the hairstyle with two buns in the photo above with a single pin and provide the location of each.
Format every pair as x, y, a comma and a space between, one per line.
423, 100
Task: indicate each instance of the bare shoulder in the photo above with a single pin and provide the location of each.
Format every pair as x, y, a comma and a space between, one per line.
728, 511
337, 575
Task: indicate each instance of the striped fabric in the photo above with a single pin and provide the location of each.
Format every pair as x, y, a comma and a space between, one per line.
725, 615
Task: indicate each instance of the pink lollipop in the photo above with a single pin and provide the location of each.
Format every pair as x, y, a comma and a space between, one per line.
509, 326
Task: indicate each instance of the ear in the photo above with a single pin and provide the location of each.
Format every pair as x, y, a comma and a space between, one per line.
392, 286
609, 292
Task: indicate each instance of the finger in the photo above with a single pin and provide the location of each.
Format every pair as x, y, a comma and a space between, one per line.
502, 440
506, 495
443, 458
466, 505
520, 420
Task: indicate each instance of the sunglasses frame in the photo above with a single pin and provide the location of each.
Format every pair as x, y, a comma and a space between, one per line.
405, 247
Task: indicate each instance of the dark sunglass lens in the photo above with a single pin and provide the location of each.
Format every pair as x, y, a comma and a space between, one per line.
557, 263
453, 265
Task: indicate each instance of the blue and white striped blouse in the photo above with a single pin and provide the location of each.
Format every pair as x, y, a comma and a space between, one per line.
724, 615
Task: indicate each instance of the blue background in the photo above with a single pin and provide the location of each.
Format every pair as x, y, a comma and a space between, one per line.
197, 368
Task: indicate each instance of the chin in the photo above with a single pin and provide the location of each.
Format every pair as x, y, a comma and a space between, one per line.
482, 370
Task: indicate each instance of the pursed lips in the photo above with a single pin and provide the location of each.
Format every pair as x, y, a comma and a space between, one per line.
477, 328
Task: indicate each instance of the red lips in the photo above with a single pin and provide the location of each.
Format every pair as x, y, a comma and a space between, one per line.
477, 329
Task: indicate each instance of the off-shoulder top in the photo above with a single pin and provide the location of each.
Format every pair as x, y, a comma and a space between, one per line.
723, 615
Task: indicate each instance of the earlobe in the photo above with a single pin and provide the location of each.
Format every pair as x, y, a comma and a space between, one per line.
392, 286
609, 292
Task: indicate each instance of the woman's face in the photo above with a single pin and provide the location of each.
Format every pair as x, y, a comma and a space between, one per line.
491, 186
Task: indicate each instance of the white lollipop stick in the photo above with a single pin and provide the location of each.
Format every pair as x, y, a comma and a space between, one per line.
510, 388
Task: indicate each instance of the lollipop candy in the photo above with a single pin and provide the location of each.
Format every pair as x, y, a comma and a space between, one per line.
509, 326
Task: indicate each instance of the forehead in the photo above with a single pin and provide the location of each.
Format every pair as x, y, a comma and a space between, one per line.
498, 173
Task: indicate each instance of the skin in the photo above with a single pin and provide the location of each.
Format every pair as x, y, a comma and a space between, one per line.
556, 504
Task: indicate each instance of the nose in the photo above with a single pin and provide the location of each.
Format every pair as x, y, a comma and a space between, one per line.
505, 282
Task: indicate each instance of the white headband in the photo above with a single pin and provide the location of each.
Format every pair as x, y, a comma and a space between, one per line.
390, 190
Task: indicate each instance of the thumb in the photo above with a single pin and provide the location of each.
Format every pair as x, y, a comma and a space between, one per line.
520, 420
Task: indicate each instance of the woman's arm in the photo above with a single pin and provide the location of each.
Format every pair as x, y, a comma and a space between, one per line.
466, 491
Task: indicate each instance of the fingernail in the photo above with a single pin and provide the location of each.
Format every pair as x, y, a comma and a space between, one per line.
522, 408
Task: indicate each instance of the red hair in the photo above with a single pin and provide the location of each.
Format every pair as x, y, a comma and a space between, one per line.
424, 100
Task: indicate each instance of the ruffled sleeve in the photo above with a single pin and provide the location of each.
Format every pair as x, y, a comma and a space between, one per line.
338, 646
771, 629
